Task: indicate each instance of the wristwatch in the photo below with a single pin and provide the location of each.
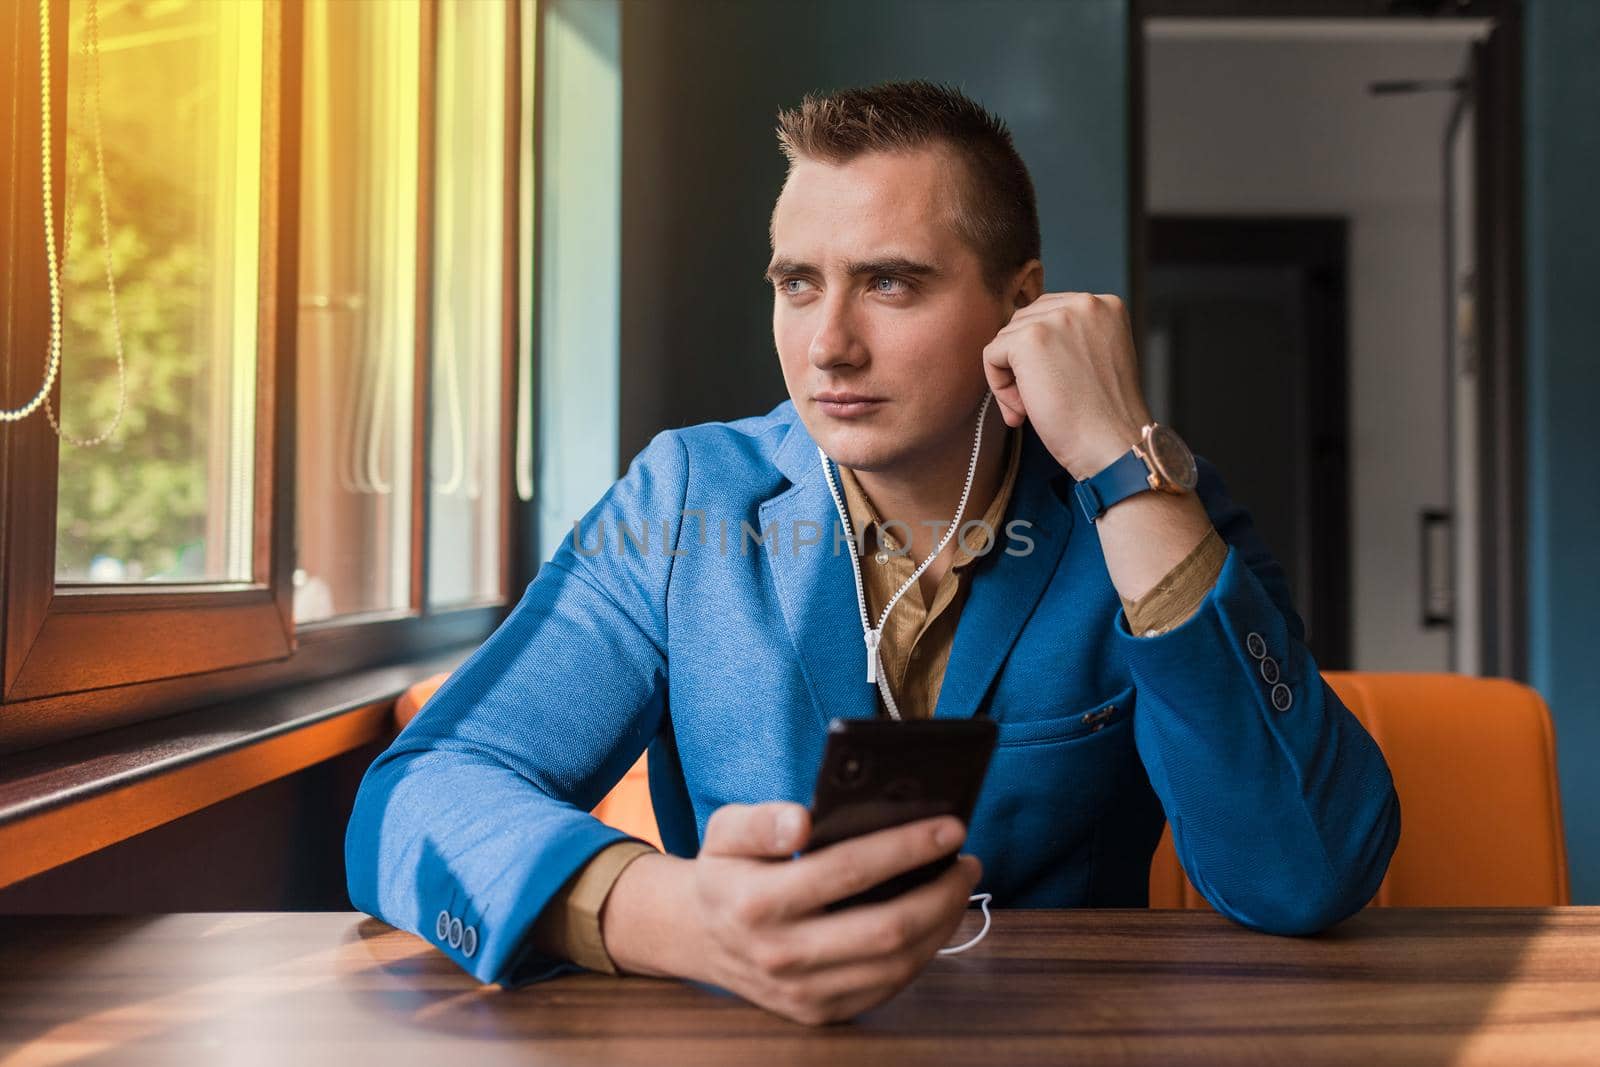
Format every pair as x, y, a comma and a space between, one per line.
1159, 460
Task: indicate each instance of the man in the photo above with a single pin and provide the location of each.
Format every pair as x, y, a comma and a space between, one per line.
1137, 649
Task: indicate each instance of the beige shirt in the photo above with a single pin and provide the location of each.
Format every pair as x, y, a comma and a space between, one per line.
917, 640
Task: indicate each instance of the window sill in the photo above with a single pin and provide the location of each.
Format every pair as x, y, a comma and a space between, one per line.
69, 799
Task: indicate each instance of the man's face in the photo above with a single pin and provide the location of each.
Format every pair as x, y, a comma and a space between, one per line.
880, 313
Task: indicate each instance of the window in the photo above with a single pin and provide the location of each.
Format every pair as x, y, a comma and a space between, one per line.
303, 463
359, 154
469, 338
174, 95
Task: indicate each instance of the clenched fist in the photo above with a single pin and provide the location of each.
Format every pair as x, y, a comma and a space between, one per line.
1067, 362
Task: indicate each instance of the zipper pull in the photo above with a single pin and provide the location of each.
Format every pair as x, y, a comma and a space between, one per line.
872, 637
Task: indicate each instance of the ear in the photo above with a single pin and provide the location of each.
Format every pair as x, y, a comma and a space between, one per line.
1027, 284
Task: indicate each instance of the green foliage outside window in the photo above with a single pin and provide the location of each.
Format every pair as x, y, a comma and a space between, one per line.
139, 497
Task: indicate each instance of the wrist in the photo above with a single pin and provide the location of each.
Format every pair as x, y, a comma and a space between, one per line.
1093, 453
641, 919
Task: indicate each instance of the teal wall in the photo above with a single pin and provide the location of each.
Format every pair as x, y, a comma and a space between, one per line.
703, 81
1562, 64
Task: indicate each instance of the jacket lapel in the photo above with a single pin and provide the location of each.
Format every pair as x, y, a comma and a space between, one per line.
1005, 588
816, 586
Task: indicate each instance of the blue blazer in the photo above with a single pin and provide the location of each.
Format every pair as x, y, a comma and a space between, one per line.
726, 658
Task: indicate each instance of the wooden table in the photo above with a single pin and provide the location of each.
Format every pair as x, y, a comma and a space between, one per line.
1461, 986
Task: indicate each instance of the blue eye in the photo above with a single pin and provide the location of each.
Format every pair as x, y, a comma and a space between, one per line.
898, 285
787, 282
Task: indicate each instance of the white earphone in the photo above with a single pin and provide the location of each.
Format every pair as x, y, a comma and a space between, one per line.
983, 902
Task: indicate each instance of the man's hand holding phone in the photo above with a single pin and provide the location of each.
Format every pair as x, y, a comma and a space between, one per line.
747, 917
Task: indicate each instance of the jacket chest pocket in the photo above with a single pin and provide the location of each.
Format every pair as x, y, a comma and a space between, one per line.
1053, 726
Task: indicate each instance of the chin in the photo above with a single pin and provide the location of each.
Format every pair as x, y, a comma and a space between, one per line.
868, 450
857, 447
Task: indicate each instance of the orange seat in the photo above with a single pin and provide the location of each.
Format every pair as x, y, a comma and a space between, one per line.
1474, 763
1473, 760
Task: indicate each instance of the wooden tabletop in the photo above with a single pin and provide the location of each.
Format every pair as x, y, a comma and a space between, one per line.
1459, 986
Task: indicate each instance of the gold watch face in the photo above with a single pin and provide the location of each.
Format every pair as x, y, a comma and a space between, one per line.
1172, 458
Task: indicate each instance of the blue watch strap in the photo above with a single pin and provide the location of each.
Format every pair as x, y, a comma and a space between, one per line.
1127, 476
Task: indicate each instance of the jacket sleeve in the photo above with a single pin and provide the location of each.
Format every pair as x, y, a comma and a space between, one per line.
478, 813
1283, 811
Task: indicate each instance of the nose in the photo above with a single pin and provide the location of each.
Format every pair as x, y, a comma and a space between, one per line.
835, 342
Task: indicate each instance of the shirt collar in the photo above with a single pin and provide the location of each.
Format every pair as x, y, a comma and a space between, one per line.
866, 522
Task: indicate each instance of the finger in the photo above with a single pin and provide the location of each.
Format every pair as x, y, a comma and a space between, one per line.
1007, 396
846, 992
919, 918
1042, 302
1002, 381
1048, 304
997, 369
848, 867
839, 993
850, 989
995, 356
775, 830
1011, 406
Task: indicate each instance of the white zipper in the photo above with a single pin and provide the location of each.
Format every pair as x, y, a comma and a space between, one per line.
872, 636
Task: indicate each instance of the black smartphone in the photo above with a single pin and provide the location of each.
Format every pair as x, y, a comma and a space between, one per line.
878, 773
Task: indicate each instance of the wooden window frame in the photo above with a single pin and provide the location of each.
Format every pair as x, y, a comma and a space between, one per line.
77, 660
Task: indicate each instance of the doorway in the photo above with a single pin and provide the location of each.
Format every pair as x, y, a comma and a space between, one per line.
1245, 350
1325, 287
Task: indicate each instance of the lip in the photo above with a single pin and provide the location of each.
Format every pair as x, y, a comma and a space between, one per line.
847, 405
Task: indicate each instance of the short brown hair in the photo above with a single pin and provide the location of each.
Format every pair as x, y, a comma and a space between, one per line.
999, 217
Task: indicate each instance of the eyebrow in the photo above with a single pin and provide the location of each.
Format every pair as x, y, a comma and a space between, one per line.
903, 266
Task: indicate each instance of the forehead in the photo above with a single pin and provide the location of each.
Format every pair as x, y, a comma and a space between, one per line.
876, 200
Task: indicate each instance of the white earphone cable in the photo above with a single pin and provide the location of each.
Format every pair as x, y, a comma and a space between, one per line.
983, 902
874, 635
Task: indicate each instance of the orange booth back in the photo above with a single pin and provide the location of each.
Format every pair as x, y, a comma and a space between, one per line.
1473, 761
